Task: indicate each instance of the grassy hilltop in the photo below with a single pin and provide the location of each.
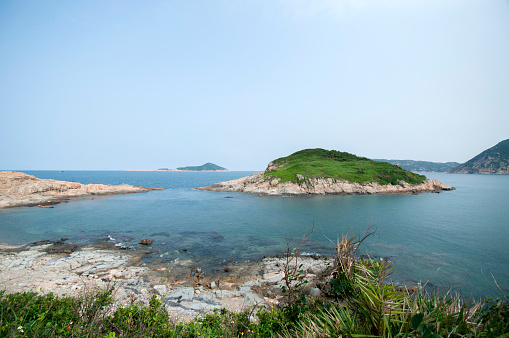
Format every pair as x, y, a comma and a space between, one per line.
321, 163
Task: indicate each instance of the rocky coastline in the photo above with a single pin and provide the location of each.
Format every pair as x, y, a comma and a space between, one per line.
258, 184
19, 189
68, 269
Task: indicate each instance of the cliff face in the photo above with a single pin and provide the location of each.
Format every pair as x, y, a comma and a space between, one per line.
20, 189
494, 160
256, 183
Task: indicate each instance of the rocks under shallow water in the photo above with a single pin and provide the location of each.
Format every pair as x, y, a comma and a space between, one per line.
62, 248
146, 241
43, 267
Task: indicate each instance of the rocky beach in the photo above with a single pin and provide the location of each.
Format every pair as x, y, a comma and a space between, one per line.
19, 189
67, 269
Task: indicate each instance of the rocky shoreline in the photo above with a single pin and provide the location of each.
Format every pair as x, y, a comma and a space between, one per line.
19, 189
257, 184
63, 268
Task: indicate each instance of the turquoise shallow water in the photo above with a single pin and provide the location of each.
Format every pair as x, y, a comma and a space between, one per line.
462, 232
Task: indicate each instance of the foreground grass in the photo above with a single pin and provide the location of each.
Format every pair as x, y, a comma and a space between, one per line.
358, 304
321, 163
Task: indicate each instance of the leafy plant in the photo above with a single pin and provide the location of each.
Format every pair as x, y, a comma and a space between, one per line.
369, 306
294, 276
425, 331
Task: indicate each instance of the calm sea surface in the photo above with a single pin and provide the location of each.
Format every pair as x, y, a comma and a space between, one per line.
463, 233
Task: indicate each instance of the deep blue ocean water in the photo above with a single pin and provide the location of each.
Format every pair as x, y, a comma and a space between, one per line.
463, 233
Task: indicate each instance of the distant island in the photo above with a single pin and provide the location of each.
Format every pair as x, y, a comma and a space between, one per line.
494, 160
320, 171
204, 167
422, 166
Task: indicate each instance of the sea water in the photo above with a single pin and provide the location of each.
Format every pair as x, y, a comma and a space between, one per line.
457, 239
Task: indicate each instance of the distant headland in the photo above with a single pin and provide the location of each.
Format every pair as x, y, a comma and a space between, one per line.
422, 166
494, 160
319, 172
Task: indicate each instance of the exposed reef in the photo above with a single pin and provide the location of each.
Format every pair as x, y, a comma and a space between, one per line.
20, 189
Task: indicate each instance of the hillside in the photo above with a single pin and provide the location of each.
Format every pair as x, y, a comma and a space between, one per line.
321, 163
204, 167
494, 160
423, 166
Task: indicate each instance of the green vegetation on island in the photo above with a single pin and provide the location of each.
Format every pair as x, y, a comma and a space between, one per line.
422, 166
205, 167
321, 163
494, 160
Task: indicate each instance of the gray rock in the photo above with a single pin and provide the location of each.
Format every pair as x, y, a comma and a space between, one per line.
181, 294
161, 289
200, 306
250, 297
315, 292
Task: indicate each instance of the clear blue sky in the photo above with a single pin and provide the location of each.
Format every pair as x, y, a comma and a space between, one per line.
150, 84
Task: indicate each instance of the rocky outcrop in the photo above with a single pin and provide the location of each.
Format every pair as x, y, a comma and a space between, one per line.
43, 267
19, 189
258, 184
146, 241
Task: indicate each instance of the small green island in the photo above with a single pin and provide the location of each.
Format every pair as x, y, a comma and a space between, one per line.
338, 165
205, 167
322, 172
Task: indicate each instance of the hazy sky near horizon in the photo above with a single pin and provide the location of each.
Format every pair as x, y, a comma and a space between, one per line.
150, 84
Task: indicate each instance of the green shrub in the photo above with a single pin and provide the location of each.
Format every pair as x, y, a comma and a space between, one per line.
495, 318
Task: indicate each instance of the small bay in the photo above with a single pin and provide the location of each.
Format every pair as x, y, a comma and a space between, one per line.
462, 233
